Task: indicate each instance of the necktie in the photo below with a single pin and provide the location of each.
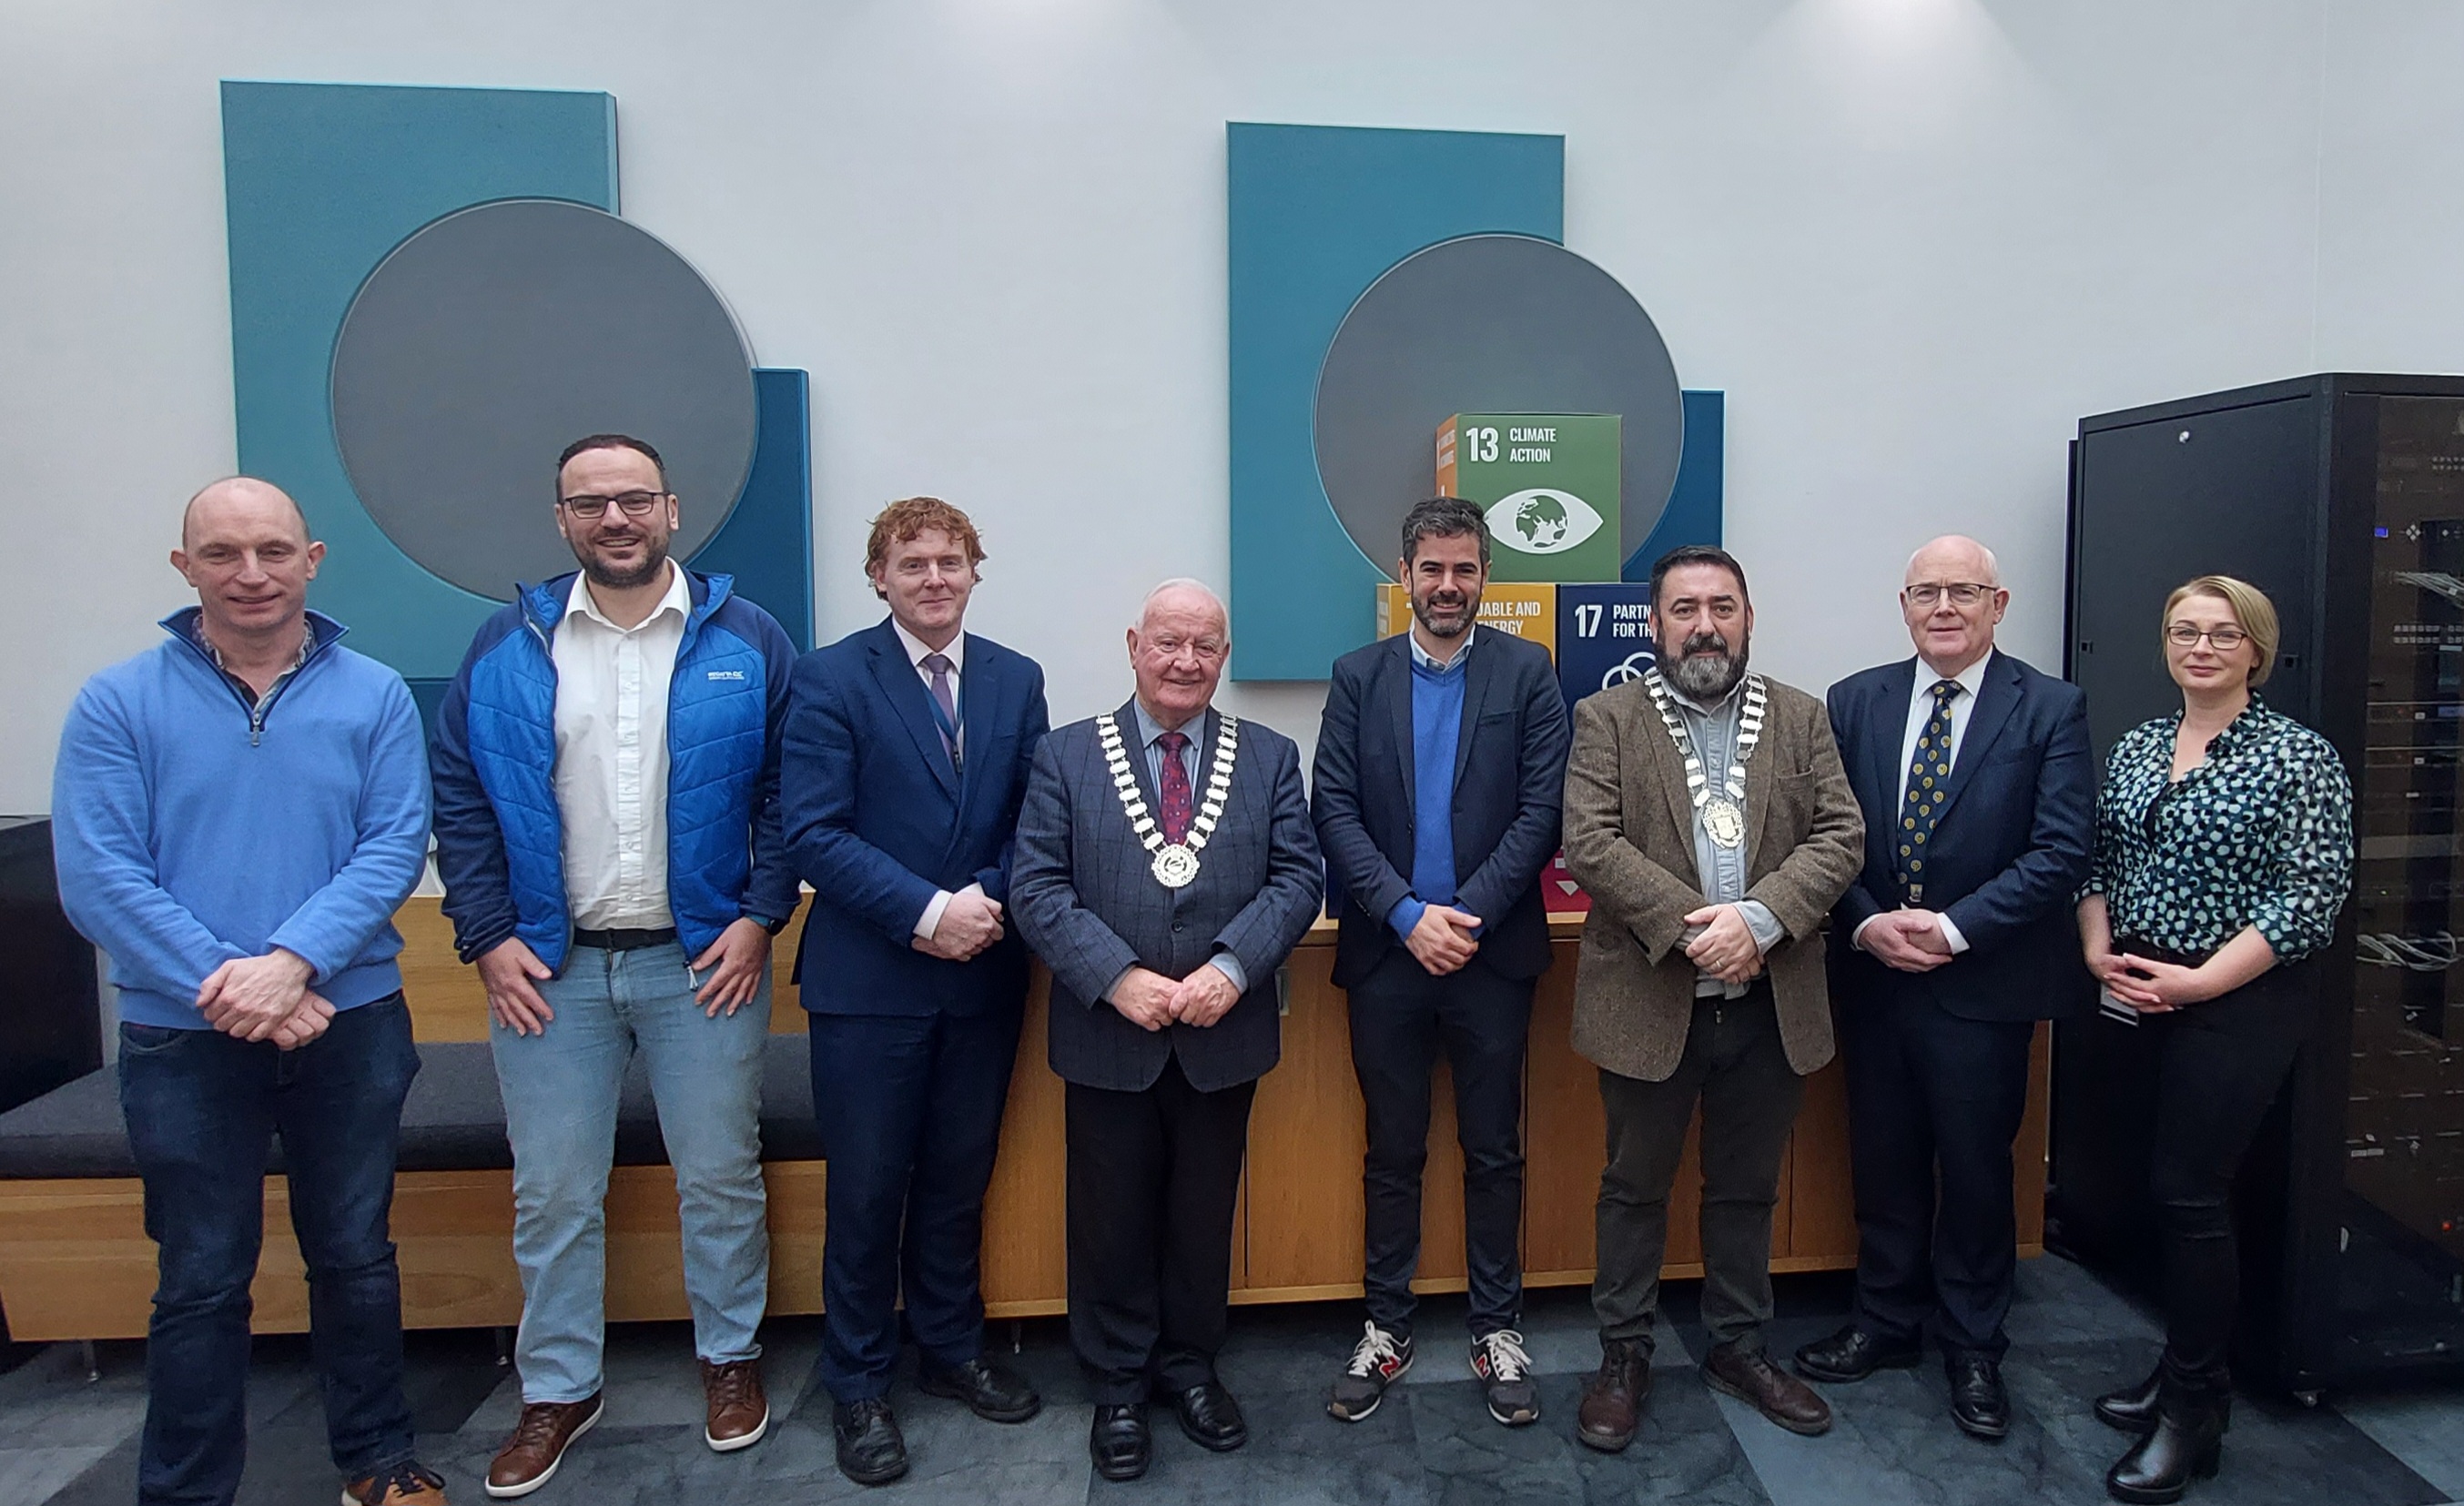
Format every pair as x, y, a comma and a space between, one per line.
1171, 787
945, 697
1928, 783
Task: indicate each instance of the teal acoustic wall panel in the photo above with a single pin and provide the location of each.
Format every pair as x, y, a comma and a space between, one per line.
1316, 214
321, 181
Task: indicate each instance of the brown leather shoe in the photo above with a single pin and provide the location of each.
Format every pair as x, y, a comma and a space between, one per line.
739, 1413
1750, 1376
408, 1483
529, 1458
1613, 1399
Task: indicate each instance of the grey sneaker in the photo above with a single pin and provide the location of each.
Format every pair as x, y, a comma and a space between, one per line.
1505, 1370
1378, 1362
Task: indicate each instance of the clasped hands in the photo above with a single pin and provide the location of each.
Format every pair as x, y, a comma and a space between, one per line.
1907, 939
1149, 1000
1443, 939
1724, 947
970, 922
265, 998
2149, 985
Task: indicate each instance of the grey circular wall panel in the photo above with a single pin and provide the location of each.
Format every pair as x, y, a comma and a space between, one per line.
492, 338
1489, 325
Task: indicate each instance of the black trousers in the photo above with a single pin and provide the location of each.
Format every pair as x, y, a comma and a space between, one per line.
1153, 1176
1400, 1017
1736, 1068
2219, 1067
1933, 1095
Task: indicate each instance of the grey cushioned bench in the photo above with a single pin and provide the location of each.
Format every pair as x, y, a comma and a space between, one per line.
453, 1120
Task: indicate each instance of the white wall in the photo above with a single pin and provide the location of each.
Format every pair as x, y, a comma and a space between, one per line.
1915, 240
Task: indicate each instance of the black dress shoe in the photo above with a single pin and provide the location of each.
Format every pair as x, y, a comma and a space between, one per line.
1853, 1354
871, 1450
991, 1392
1119, 1442
1211, 1417
1978, 1402
2133, 1407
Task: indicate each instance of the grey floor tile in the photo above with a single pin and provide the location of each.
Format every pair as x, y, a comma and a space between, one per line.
29, 1475
1683, 1452
2055, 1302
2423, 1429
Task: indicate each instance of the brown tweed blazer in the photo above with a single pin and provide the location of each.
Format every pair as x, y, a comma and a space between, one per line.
1630, 843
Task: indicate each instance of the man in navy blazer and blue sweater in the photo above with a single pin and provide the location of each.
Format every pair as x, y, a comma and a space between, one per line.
907, 751
1440, 769
1979, 792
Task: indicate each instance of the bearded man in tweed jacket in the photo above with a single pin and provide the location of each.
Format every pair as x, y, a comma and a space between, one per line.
1708, 815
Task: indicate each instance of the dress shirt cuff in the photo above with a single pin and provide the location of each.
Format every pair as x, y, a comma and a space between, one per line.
1405, 916
931, 920
1768, 932
1856, 937
1229, 965
1950, 934
1114, 987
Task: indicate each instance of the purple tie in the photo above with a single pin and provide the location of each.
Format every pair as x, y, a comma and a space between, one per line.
1171, 787
947, 700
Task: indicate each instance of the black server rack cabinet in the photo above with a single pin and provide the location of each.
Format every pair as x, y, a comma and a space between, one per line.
2343, 497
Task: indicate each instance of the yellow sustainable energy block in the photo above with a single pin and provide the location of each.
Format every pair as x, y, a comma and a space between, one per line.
1550, 485
1527, 609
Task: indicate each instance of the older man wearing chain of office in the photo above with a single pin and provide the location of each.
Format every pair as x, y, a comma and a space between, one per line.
1708, 814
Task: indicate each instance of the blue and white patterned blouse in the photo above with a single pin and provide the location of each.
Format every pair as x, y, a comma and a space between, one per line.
2258, 835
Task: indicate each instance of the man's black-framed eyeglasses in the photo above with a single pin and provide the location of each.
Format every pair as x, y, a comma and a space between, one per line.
634, 504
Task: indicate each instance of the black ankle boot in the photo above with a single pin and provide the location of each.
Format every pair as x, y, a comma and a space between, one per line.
2133, 1407
2187, 1444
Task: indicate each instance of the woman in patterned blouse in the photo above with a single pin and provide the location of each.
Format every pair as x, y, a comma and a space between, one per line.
2224, 850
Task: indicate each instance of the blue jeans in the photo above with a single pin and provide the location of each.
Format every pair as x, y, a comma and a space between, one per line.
203, 1110
561, 1090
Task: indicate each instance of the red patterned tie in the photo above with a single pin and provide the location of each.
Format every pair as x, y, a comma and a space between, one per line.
1171, 787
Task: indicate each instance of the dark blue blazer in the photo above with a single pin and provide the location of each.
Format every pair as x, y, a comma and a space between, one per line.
877, 821
2007, 856
1509, 784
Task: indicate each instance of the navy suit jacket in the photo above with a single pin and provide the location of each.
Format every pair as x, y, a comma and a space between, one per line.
877, 821
2007, 856
1509, 784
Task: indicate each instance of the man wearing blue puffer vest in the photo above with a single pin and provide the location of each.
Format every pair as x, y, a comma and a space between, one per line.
607, 775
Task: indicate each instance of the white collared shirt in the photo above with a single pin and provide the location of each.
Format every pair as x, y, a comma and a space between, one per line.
611, 756
917, 651
1962, 707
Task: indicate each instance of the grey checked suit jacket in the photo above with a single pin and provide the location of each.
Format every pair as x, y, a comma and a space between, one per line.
1083, 896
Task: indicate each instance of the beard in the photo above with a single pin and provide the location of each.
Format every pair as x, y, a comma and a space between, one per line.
655, 560
1444, 620
1705, 669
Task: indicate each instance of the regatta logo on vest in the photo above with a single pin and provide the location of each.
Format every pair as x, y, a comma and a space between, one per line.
727, 674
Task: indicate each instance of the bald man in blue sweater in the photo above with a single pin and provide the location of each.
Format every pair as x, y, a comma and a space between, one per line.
236, 814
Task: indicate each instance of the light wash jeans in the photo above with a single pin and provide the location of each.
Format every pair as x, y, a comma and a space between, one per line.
561, 1090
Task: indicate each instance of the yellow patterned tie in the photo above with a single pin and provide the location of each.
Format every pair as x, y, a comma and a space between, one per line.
1928, 782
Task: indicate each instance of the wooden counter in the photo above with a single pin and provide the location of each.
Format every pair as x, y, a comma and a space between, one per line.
74, 1262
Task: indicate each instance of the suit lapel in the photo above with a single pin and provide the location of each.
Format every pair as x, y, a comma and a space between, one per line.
1998, 696
1127, 720
1758, 788
1394, 686
1672, 781
979, 700
1887, 730
907, 694
1480, 678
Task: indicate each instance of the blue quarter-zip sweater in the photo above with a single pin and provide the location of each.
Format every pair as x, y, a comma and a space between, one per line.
191, 828
500, 835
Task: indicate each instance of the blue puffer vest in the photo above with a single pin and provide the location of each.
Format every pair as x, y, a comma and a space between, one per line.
499, 724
